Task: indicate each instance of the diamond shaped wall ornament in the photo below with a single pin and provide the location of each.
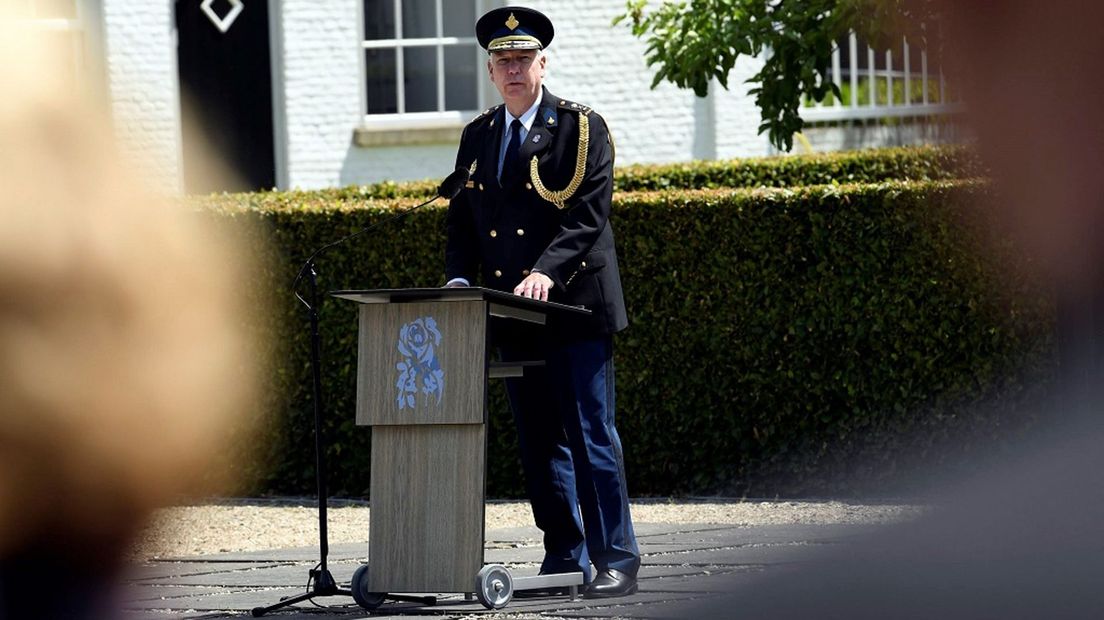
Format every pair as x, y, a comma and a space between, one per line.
222, 23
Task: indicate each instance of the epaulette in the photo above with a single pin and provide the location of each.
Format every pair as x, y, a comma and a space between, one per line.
488, 112
578, 107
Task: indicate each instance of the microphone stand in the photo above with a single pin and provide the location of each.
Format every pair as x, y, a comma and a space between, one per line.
321, 581
319, 577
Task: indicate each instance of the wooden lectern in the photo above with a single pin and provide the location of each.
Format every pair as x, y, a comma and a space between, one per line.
423, 365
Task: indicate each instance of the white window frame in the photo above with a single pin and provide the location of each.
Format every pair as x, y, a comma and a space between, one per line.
440, 119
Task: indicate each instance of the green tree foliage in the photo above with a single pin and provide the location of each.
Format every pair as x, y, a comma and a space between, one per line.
692, 43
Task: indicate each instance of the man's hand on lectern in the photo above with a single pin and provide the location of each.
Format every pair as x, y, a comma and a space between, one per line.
535, 286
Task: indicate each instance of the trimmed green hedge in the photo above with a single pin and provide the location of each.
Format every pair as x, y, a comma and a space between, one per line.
810, 340
924, 163
913, 163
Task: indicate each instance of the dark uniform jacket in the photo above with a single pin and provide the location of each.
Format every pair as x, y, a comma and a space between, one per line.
555, 221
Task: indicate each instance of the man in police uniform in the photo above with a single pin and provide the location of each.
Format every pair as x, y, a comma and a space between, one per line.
534, 219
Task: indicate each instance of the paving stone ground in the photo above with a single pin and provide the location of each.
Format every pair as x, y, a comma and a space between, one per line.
681, 564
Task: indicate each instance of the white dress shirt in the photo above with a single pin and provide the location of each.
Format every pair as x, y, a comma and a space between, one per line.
526, 119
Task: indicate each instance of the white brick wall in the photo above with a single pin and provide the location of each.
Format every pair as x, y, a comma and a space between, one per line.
861, 136
140, 61
399, 163
737, 116
321, 64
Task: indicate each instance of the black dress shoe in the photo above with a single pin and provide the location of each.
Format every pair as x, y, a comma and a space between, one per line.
610, 583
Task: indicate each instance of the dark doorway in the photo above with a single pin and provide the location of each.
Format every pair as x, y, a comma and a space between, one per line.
226, 95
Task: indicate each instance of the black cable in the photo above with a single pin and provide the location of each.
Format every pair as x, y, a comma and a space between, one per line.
310, 577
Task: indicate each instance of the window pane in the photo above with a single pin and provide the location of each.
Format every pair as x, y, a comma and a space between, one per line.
459, 18
420, 65
419, 18
461, 80
379, 19
379, 70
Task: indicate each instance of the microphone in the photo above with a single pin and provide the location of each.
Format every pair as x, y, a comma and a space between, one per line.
448, 189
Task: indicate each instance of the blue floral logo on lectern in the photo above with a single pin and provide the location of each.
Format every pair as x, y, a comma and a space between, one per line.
419, 371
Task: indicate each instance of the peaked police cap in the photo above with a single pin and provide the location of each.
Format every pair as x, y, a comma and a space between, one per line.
514, 28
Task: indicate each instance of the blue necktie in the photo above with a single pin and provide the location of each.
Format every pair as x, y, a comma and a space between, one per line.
511, 163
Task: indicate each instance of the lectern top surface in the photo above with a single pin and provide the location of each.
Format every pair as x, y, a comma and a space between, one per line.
465, 293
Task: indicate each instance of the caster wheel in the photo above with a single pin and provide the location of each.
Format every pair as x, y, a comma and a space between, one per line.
494, 587
359, 585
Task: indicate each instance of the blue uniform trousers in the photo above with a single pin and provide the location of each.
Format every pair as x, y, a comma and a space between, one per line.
571, 455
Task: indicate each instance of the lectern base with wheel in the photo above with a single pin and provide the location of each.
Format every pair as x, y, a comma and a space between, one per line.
423, 366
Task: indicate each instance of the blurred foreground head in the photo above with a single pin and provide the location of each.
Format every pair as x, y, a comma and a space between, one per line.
1029, 72
122, 361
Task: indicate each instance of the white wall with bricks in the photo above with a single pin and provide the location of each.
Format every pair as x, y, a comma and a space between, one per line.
139, 47
318, 69
736, 125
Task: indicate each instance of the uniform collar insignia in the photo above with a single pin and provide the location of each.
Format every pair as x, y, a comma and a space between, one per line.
548, 115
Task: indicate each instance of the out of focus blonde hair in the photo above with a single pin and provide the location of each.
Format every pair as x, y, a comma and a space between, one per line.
122, 361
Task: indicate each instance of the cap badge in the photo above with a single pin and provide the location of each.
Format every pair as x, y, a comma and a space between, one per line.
512, 22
